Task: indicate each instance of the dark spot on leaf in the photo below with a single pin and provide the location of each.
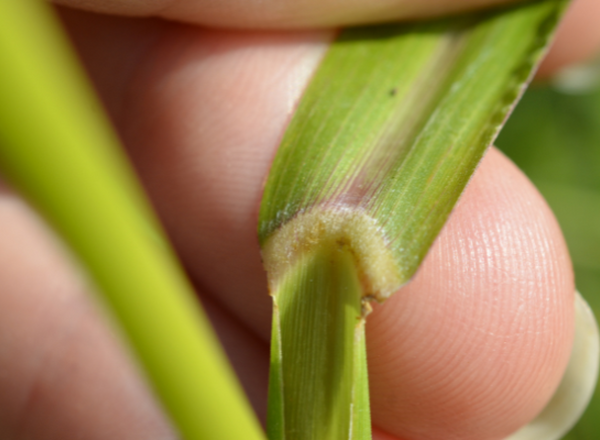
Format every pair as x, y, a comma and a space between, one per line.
393, 92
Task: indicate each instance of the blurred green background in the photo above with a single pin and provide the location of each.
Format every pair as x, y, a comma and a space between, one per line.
554, 137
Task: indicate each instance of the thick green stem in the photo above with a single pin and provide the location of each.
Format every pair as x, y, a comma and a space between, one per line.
58, 150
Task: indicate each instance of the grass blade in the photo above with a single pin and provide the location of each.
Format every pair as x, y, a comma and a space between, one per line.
384, 141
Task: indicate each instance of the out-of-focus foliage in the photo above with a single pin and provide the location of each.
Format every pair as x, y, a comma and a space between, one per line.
554, 137
58, 150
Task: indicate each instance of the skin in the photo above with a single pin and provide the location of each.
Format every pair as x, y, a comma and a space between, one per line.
471, 349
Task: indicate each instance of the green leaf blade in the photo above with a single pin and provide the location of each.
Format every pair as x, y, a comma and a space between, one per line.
383, 143
478, 97
399, 135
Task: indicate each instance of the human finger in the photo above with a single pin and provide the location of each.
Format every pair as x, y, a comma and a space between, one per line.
577, 39
277, 14
476, 344
61, 374
202, 119
65, 374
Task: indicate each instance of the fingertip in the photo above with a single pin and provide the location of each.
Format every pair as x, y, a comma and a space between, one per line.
136, 8
315, 14
577, 38
471, 349
476, 344
278, 14
206, 115
63, 371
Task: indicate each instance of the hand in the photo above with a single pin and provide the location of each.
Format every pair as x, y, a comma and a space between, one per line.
471, 349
